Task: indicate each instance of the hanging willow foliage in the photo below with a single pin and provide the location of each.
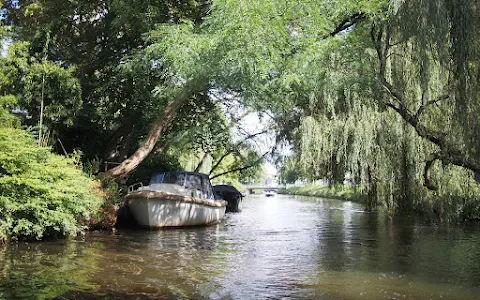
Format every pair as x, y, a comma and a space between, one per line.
442, 41
424, 56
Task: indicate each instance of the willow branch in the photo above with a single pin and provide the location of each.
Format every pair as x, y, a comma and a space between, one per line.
428, 103
234, 148
427, 182
448, 153
242, 168
396, 94
346, 24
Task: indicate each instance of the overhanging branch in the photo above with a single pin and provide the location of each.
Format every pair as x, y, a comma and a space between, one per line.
346, 24
431, 102
234, 148
449, 154
242, 168
427, 182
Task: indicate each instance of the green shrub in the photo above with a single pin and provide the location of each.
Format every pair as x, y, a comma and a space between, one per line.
41, 193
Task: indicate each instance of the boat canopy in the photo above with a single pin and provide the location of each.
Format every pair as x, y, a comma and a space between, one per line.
225, 188
188, 180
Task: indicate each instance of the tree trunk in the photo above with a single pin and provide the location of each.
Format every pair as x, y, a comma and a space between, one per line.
122, 133
161, 124
202, 162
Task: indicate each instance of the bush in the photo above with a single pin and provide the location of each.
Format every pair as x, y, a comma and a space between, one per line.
41, 193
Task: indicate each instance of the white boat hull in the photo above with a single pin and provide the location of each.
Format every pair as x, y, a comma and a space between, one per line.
158, 209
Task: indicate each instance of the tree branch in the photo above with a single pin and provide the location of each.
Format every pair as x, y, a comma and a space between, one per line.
234, 148
431, 102
448, 153
346, 23
242, 168
397, 95
427, 182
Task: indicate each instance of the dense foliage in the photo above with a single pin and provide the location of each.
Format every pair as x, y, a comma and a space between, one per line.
393, 103
106, 86
41, 194
383, 92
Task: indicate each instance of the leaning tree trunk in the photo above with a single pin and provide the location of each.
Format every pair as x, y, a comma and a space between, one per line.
118, 138
202, 162
161, 123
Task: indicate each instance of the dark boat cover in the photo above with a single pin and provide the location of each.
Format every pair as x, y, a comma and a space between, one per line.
230, 194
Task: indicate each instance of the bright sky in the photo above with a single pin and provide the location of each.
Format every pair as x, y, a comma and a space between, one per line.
4, 49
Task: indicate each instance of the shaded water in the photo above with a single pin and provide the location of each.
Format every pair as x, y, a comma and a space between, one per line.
277, 248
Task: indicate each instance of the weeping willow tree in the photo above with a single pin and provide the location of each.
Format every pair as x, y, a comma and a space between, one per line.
348, 130
396, 104
428, 66
439, 97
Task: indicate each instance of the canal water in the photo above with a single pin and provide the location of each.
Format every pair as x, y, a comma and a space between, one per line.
279, 247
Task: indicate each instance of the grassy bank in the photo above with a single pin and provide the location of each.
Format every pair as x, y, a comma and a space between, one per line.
341, 192
454, 207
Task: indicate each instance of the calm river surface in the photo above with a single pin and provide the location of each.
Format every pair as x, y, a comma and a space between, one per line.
280, 247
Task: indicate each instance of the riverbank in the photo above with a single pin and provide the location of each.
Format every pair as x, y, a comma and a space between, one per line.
445, 208
340, 192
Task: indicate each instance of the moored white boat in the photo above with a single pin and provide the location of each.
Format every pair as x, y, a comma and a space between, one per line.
175, 199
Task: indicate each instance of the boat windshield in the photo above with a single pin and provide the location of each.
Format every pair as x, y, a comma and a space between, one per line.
200, 183
193, 181
157, 178
207, 186
174, 178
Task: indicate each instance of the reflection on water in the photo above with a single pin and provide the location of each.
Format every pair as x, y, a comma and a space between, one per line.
276, 248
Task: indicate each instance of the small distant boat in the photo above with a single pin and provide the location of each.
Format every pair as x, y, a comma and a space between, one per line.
269, 193
230, 194
175, 199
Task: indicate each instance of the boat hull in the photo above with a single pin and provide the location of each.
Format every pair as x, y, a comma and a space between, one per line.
158, 209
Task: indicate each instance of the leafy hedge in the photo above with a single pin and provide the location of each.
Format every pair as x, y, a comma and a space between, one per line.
41, 193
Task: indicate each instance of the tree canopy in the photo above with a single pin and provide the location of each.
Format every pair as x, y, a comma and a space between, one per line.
382, 91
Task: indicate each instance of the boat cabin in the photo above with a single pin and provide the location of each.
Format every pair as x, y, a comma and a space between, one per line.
198, 182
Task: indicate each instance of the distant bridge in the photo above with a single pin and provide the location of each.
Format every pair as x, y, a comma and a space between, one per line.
251, 187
